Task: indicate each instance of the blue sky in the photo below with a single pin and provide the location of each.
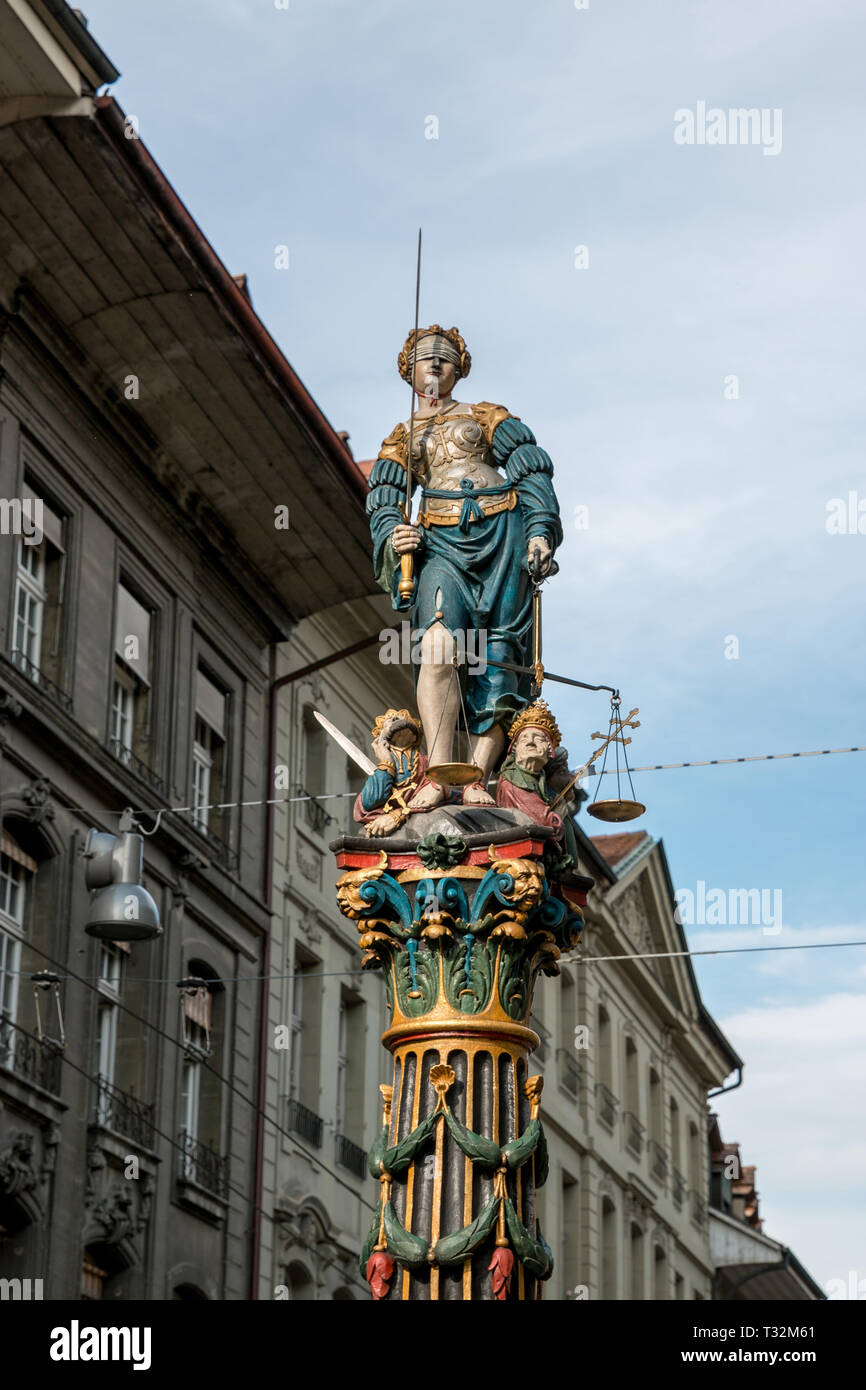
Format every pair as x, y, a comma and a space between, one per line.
305, 127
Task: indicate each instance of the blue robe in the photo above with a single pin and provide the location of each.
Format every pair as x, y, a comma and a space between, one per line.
479, 565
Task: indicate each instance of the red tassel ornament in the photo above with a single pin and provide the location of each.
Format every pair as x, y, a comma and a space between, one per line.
380, 1272
502, 1268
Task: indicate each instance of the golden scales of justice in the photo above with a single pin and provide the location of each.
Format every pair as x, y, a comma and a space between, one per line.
618, 808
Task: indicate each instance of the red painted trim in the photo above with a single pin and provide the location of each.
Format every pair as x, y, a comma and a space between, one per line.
363, 859
450, 1038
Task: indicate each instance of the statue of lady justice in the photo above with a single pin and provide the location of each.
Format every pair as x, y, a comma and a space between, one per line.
488, 514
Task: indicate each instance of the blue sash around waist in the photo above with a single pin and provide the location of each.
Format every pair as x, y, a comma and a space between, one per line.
471, 509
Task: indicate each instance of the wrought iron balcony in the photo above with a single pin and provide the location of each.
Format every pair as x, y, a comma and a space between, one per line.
351, 1156
305, 1122
39, 679
569, 1071
201, 1164
678, 1190
699, 1211
606, 1105
634, 1132
32, 1060
124, 1114
658, 1160
125, 755
218, 848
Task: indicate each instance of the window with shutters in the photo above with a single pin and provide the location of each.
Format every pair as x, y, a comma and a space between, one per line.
37, 630
210, 757
351, 1063
314, 772
572, 1269
197, 1020
200, 1107
93, 1279
111, 964
16, 868
131, 716
189, 1108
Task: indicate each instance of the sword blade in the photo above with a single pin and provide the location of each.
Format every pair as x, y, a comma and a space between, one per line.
366, 764
412, 376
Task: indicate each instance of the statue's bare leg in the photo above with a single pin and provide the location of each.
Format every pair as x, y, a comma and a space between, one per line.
438, 703
485, 754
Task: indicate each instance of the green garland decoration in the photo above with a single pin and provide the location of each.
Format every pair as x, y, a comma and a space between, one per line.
377, 1152
453, 1249
409, 1248
477, 1147
519, 1150
534, 1254
398, 1158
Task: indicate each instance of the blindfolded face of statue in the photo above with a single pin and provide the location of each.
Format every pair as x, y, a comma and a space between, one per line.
435, 378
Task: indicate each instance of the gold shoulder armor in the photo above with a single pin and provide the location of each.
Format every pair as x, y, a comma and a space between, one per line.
394, 447
489, 416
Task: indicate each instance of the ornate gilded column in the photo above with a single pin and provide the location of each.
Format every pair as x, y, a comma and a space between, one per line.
461, 919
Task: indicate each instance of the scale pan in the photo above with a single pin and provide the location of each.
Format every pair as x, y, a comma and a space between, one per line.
616, 810
454, 774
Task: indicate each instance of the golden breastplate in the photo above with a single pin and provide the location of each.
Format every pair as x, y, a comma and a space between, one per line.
447, 449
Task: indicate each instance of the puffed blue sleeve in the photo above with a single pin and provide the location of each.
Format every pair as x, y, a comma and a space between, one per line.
377, 789
387, 492
530, 470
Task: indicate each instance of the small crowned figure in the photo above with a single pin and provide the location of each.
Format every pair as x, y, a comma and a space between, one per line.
389, 794
535, 771
488, 512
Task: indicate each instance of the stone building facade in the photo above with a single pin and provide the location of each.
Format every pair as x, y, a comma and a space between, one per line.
157, 453
629, 1054
326, 1016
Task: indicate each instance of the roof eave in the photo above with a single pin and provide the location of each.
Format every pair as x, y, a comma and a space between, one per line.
100, 68
232, 298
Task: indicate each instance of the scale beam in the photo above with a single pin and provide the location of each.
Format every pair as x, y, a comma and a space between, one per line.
548, 676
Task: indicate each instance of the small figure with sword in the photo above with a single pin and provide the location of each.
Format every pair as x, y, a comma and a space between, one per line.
386, 798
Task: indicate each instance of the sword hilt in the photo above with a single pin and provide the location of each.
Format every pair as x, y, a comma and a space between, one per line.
406, 586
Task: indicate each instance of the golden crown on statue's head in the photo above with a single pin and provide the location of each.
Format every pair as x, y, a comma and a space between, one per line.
536, 716
450, 346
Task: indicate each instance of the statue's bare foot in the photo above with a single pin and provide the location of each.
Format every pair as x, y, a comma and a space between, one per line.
476, 795
383, 825
427, 798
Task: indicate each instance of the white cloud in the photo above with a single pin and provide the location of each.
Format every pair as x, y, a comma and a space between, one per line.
799, 1118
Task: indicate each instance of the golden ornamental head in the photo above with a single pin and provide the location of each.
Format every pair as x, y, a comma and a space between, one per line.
387, 1101
532, 1088
538, 715
454, 348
